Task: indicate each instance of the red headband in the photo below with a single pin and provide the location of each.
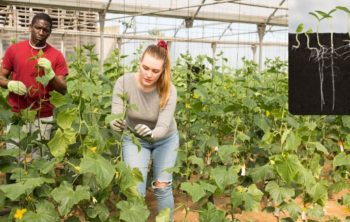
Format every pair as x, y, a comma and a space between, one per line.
163, 44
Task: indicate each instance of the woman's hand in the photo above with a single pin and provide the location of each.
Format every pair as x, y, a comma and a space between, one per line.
118, 125
143, 130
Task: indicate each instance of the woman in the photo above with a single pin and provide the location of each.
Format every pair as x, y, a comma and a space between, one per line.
154, 95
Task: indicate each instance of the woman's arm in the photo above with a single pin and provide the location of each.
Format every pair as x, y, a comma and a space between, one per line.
165, 116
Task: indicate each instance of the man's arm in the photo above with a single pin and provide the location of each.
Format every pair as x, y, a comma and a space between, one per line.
4, 74
59, 84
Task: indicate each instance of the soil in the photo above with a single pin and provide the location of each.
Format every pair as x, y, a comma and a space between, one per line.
332, 209
304, 78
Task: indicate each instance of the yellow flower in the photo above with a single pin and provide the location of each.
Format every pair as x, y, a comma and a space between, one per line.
188, 106
93, 149
77, 168
19, 213
267, 113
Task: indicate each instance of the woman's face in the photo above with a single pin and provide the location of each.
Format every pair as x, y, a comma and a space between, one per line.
150, 70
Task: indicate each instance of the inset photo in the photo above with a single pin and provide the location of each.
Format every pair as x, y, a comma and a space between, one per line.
319, 57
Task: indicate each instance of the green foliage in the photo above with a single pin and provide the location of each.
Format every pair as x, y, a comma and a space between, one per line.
229, 120
102, 169
279, 194
210, 214
164, 215
45, 211
133, 211
248, 197
67, 197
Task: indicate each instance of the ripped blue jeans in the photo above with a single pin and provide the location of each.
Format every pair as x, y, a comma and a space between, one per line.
163, 153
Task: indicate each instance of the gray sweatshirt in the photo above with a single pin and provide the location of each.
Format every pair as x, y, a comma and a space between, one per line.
147, 110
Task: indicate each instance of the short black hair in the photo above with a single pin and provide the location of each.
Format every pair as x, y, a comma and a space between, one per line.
42, 16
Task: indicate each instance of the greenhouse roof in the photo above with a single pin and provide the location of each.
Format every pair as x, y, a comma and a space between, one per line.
268, 12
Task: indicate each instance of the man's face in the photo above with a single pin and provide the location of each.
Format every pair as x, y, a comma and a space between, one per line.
39, 32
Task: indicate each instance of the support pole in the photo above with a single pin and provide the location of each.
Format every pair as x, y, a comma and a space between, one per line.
261, 33
1, 48
119, 43
62, 45
213, 48
102, 17
254, 47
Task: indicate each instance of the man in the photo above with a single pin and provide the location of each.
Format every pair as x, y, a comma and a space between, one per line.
24, 62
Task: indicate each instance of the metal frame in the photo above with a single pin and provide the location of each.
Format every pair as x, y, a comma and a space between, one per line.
146, 37
179, 12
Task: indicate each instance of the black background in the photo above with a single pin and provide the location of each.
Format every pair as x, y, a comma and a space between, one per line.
304, 81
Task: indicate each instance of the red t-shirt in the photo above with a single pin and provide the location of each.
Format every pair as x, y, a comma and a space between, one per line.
19, 60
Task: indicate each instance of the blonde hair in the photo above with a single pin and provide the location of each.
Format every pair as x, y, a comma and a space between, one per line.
164, 81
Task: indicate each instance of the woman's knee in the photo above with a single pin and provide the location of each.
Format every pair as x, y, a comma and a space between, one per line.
162, 187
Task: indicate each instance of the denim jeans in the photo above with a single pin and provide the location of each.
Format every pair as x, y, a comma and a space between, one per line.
163, 153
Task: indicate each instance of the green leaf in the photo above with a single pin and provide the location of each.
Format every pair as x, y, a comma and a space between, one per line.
346, 121
260, 173
316, 211
28, 115
249, 103
207, 186
319, 147
43, 80
100, 167
59, 143
67, 197
300, 28
209, 213
252, 198
322, 14
341, 159
315, 15
308, 31
279, 194
195, 190
262, 122
225, 152
100, 210
243, 137
66, 118
287, 167
223, 176
164, 215
293, 209
293, 142
346, 200
339, 186
13, 191
284, 135
133, 211
45, 211
195, 160
57, 99
345, 9
15, 152
318, 192
128, 180
111, 117
2, 200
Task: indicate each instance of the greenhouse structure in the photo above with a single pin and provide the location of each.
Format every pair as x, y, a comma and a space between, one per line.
167, 110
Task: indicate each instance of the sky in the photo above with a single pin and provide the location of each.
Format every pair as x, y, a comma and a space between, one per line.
299, 13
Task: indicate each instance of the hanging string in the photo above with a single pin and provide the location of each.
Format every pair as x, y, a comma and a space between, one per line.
238, 37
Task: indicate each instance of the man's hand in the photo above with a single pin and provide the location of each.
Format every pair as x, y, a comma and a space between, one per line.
46, 65
143, 130
118, 125
17, 87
